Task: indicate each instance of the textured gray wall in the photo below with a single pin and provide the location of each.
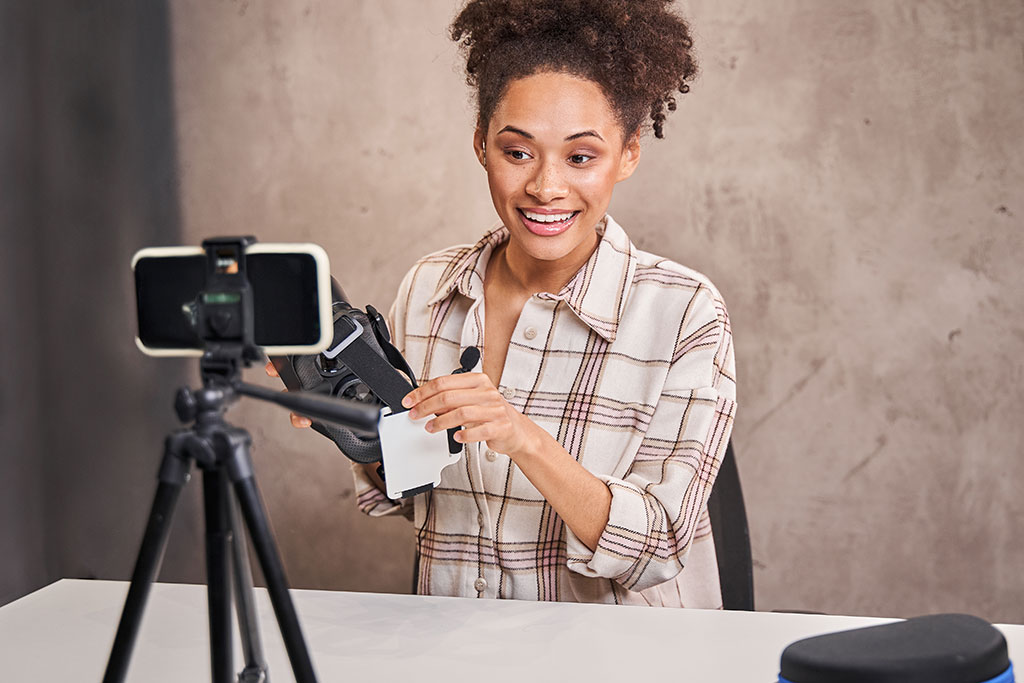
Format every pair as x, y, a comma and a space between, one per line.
107, 186
850, 176
22, 531
88, 174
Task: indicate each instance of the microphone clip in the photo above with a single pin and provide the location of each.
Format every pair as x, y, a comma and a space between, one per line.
470, 357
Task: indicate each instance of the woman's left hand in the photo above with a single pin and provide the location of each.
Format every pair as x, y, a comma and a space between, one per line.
470, 400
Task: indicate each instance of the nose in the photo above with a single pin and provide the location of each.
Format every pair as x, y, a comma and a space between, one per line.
547, 184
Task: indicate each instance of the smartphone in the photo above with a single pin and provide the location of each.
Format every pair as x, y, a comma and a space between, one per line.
291, 288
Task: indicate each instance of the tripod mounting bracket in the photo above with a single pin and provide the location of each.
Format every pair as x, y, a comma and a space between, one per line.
225, 313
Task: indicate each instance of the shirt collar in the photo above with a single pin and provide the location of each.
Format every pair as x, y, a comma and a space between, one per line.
597, 293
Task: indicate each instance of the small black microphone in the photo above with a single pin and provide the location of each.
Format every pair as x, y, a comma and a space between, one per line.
470, 357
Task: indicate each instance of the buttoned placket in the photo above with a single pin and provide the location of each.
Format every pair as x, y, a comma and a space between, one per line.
473, 336
487, 466
518, 376
521, 366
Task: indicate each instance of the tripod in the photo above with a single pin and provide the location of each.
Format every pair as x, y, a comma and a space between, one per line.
221, 451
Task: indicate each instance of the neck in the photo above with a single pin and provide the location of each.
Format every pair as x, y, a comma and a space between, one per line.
529, 275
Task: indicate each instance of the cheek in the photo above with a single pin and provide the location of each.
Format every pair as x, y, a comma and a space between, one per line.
596, 185
505, 182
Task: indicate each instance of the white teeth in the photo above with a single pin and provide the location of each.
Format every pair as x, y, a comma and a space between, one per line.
547, 217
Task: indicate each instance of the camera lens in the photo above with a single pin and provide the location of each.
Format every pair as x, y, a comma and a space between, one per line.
354, 389
329, 367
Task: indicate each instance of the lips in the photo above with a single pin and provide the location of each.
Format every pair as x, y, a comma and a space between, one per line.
547, 223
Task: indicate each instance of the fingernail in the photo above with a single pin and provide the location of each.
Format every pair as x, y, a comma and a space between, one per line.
407, 402
429, 426
414, 414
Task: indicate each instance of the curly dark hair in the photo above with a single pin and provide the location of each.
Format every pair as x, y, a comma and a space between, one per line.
638, 51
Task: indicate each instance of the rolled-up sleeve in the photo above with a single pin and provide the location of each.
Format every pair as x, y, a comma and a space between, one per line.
657, 504
372, 501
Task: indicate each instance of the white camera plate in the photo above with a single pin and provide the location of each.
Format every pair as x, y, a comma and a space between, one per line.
413, 457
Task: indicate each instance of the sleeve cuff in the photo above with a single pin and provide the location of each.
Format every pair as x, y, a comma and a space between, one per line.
618, 546
372, 501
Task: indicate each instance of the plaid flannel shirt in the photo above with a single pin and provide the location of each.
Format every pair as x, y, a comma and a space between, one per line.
630, 367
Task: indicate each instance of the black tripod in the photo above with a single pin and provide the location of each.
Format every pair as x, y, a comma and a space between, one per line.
222, 452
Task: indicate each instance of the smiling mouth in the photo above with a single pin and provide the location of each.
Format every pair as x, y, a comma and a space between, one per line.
547, 223
548, 217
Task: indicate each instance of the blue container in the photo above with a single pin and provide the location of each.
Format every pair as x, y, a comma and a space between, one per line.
940, 648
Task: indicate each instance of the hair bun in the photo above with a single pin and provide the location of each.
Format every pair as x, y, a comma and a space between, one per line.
639, 51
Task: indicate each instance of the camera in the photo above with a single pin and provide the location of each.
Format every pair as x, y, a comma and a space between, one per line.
360, 364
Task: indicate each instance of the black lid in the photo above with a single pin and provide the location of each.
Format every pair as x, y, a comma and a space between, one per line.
940, 648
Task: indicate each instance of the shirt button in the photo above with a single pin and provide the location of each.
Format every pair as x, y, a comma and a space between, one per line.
530, 332
508, 393
491, 456
480, 519
480, 584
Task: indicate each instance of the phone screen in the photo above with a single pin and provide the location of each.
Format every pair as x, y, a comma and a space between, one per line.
286, 299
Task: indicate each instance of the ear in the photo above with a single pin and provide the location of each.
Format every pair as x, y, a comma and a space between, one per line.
630, 158
479, 146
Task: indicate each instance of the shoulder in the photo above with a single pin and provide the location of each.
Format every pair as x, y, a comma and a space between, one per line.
661, 287
442, 260
430, 272
447, 255
670, 285
692, 313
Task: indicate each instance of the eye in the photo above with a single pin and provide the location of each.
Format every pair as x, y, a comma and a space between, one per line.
517, 154
580, 159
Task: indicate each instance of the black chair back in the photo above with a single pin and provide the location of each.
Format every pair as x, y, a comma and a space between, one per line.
732, 536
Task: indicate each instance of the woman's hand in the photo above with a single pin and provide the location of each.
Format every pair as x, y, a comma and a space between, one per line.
471, 400
297, 420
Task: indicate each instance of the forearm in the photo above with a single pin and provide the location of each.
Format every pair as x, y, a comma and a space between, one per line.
582, 500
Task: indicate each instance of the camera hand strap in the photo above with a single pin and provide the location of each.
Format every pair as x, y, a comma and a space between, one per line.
372, 368
380, 331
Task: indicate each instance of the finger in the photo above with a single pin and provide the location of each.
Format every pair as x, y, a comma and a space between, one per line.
465, 380
446, 401
481, 433
463, 416
299, 421
270, 369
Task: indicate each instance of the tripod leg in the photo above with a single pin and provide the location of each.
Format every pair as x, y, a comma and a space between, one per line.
240, 470
174, 474
255, 670
218, 580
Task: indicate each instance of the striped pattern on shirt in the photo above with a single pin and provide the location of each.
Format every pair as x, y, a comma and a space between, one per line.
630, 367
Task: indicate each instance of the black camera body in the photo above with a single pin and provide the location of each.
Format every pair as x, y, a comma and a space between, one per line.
360, 365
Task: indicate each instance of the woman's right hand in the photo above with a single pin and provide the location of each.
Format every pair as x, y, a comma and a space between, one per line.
297, 420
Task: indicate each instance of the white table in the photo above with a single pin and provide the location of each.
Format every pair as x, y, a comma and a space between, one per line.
64, 632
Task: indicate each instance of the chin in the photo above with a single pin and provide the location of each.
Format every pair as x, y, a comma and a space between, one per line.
551, 248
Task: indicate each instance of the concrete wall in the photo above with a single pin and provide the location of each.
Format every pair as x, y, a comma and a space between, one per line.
849, 176
88, 175
107, 179
22, 531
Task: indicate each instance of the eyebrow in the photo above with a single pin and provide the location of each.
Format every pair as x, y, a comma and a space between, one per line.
517, 131
583, 134
570, 138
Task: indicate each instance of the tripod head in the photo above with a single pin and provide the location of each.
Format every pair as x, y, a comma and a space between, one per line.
221, 371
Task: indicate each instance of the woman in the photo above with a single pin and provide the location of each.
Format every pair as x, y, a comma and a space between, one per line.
604, 400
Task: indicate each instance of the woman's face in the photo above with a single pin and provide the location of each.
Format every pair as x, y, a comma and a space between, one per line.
553, 151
